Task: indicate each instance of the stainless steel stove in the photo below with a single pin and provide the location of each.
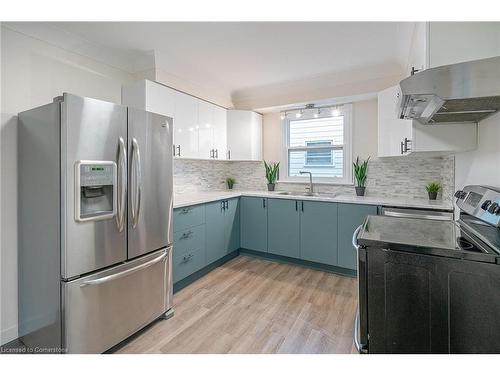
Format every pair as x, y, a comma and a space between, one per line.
430, 286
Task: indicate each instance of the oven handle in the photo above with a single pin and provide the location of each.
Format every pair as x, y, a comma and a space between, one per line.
355, 238
360, 348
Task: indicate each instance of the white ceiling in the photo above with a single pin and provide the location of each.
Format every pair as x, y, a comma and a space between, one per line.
236, 56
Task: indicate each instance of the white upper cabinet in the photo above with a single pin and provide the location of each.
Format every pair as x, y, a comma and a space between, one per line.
186, 140
220, 132
244, 135
443, 43
200, 127
398, 137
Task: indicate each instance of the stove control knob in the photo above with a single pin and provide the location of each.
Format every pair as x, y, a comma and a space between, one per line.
460, 194
493, 207
486, 205
497, 211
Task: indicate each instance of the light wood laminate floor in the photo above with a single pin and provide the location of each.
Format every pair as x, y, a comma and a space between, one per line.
251, 305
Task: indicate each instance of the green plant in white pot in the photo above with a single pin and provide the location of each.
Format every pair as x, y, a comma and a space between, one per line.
360, 174
272, 170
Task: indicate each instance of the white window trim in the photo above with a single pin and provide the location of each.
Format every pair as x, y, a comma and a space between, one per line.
347, 179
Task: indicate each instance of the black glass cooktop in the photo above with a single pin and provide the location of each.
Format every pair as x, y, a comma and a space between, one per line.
412, 233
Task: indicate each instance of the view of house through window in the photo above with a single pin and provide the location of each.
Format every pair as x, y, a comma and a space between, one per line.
317, 145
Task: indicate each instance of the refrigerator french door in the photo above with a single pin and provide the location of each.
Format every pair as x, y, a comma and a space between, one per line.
96, 209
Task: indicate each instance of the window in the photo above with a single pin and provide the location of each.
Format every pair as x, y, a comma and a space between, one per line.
320, 145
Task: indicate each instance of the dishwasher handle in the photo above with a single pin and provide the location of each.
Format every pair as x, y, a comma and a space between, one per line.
418, 214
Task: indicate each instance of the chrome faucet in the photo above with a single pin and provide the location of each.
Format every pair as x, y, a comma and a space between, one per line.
311, 186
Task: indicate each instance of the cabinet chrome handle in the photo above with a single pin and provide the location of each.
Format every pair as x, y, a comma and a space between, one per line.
186, 235
402, 151
187, 258
263, 202
228, 154
186, 210
406, 144
178, 150
216, 153
122, 184
296, 206
302, 205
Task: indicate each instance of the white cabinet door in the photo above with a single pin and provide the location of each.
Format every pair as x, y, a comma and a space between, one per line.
205, 130
160, 99
455, 42
185, 123
244, 135
418, 57
391, 130
220, 132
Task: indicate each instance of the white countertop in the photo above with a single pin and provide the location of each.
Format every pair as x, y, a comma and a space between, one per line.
189, 199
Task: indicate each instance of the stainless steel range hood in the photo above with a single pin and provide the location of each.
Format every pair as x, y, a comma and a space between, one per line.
465, 92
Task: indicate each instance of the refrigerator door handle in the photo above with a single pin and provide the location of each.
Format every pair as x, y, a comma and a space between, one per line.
122, 184
118, 275
136, 182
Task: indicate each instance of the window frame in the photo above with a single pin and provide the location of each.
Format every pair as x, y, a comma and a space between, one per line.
347, 179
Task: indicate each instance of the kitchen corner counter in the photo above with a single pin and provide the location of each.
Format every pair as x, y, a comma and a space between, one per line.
193, 198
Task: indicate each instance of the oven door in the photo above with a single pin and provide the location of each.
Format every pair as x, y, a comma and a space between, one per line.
361, 321
104, 308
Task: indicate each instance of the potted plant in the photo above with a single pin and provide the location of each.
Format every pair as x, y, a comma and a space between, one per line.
360, 174
272, 170
432, 189
230, 181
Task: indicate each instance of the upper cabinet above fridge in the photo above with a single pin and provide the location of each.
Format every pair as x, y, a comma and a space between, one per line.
443, 43
202, 130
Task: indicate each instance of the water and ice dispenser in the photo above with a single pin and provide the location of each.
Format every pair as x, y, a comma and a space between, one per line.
95, 190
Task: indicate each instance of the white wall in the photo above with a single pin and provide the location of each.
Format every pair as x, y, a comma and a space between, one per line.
364, 131
481, 166
32, 74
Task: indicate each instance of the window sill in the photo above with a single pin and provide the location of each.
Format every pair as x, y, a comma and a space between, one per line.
315, 182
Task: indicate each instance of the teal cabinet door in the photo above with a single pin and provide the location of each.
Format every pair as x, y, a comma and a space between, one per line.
253, 213
232, 225
215, 231
283, 227
350, 216
318, 232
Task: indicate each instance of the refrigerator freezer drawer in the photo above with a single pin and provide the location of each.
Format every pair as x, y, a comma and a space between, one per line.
103, 309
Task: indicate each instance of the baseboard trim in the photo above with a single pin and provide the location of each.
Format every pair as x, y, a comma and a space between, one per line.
181, 284
300, 262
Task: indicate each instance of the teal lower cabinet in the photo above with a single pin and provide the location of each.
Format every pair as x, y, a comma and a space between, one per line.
215, 225
232, 225
253, 217
205, 236
283, 227
223, 228
350, 216
318, 232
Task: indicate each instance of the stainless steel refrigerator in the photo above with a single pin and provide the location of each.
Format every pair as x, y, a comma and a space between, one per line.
95, 223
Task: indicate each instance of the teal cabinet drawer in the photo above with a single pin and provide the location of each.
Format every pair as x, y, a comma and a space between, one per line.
350, 216
318, 232
187, 217
187, 263
189, 239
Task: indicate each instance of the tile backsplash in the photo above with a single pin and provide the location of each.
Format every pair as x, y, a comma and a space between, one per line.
400, 177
